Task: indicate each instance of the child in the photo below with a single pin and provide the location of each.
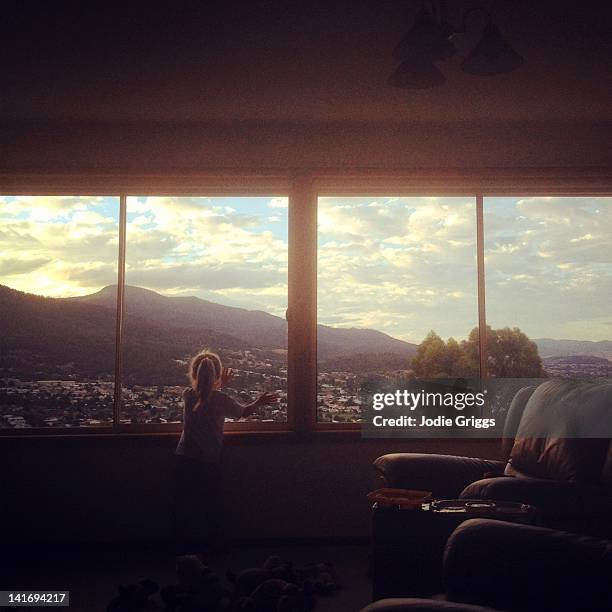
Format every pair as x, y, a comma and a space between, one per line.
198, 493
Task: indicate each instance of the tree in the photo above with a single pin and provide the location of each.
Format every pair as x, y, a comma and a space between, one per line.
433, 358
511, 354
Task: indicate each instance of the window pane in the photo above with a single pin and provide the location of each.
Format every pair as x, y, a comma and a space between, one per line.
549, 282
396, 296
204, 273
57, 355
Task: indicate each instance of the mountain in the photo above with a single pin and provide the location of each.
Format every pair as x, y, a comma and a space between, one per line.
253, 327
337, 342
576, 360
548, 347
48, 338
51, 338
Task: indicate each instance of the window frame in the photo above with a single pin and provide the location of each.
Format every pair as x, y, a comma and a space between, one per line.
218, 186
401, 188
303, 188
478, 186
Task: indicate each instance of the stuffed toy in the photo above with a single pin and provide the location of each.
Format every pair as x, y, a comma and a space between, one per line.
198, 590
277, 595
287, 588
249, 579
319, 578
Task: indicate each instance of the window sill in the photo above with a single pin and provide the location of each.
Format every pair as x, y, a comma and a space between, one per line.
319, 433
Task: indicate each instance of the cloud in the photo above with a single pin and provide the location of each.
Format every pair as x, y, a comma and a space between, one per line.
401, 265
549, 265
9, 267
278, 203
59, 242
208, 247
199, 276
95, 274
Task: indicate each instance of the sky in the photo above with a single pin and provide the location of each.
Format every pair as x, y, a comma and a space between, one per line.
403, 266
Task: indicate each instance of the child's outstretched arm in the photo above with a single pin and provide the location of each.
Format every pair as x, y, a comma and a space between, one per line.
265, 399
237, 410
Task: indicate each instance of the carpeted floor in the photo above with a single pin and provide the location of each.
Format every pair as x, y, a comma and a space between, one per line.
92, 576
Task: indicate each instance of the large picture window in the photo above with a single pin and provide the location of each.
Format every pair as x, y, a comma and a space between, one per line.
57, 354
204, 273
396, 296
105, 299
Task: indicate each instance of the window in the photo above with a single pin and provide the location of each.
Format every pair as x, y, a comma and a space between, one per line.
105, 299
57, 357
549, 286
397, 296
204, 273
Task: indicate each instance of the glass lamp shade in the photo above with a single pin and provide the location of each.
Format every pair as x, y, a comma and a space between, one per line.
416, 73
492, 55
425, 37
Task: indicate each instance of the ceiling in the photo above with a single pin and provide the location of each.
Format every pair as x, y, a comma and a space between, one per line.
322, 62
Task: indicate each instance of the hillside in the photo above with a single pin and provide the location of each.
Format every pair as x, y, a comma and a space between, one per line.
548, 347
59, 337
51, 338
253, 327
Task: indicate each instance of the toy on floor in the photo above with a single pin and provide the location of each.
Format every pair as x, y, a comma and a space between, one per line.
319, 578
198, 590
246, 581
278, 586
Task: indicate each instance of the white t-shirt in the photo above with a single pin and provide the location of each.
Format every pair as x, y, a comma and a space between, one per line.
202, 436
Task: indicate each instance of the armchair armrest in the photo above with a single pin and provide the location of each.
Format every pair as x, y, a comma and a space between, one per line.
445, 475
506, 565
410, 604
564, 505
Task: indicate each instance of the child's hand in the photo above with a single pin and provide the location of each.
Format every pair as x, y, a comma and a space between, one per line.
266, 399
226, 377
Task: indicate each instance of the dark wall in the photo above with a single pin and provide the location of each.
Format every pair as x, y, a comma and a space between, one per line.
163, 148
101, 490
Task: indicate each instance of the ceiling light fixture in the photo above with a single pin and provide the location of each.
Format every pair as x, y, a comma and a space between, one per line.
492, 55
417, 72
431, 39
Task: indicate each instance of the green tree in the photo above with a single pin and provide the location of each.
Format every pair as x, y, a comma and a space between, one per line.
431, 358
511, 354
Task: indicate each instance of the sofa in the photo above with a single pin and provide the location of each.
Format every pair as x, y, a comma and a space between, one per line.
494, 565
554, 459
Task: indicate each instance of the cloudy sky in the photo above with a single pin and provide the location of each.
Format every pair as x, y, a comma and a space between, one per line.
400, 265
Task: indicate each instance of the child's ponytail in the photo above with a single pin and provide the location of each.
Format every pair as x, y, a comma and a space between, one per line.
205, 370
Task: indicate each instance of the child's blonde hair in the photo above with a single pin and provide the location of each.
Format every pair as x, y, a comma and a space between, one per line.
204, 371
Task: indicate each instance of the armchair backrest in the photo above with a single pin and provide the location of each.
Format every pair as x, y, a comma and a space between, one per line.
558, 422
514, 416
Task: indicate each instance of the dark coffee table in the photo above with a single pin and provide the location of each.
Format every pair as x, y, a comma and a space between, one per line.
407, 545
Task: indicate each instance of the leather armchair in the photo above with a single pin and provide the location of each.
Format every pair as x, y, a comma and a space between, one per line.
568, 480
506, 566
